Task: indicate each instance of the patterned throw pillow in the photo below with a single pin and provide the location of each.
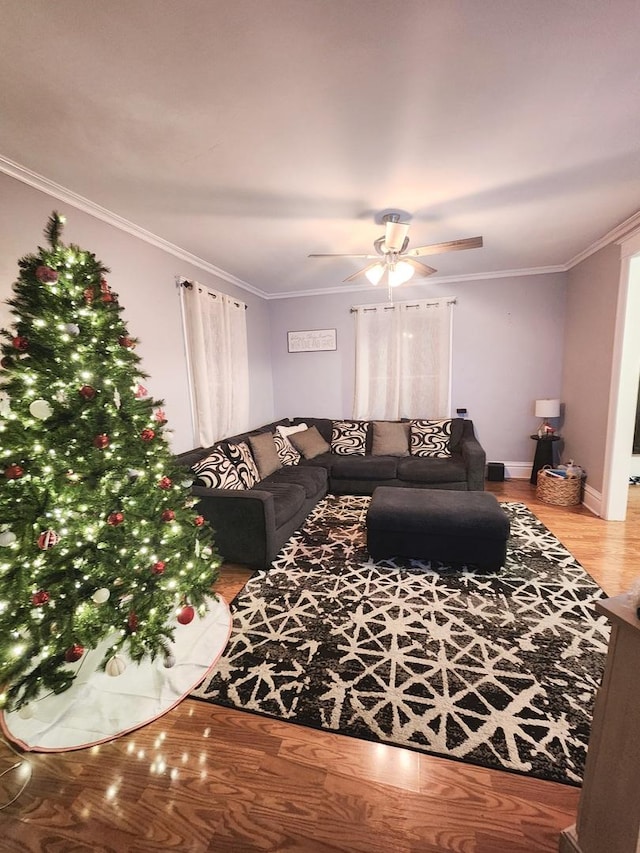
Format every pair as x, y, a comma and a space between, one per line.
287, 453
241, 457
348, 438
217, 472
431, 438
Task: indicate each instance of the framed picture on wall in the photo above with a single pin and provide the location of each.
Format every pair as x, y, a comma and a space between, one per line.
312, 340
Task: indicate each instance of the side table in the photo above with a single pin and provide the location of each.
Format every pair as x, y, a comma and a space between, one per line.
543, 455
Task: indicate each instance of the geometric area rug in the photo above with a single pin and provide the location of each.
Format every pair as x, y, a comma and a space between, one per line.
498, 669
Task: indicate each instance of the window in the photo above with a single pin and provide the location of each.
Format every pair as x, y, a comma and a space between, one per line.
403, 360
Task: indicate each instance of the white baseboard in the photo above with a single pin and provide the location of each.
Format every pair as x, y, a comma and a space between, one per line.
517, 470
592, 500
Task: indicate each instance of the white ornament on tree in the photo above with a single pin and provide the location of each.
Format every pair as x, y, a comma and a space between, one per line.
169, 661
72, 329
5, 404
7, 538
26, 712
101, 595
117, 399
115, 666
41, 409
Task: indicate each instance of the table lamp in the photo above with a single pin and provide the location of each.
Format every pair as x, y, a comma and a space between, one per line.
546, 409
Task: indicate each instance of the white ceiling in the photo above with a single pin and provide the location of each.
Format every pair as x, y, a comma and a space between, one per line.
253, 132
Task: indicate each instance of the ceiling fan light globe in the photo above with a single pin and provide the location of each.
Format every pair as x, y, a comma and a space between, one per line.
375, 273
401, 272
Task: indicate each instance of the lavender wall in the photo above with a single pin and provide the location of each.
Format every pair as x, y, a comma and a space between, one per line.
144, 278
507, 352
592, 297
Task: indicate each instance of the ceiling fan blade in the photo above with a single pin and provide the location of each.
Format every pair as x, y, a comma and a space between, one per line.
421, 269
341, 256
363, 271
452, 246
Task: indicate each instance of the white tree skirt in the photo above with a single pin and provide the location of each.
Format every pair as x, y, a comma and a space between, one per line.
100, 707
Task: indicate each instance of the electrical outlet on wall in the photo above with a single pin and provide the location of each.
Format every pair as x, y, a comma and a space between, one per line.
461, 413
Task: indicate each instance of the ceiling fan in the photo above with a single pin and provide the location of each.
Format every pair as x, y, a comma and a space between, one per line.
396, 259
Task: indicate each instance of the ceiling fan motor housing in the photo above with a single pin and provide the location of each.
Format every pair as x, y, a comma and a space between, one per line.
395, 234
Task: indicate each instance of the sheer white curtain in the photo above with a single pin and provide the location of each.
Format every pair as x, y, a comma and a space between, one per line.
216, 336
403, 360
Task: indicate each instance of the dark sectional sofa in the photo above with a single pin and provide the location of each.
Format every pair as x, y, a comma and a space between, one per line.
252, 525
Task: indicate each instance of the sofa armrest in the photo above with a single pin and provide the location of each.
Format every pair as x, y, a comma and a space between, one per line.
243, 522
474, 460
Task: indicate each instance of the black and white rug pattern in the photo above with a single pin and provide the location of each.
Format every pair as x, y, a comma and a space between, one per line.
496, 669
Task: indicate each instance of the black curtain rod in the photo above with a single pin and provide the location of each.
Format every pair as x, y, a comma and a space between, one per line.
189, 286
355, 308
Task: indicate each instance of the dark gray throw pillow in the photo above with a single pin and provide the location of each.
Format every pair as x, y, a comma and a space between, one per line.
390, 439
265, 453
309, 442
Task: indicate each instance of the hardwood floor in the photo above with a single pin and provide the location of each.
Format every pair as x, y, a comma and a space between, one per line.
207, 779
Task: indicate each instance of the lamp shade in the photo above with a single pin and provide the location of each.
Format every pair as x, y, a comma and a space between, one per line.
547, 408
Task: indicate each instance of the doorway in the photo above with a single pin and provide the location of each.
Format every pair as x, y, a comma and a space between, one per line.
624, 396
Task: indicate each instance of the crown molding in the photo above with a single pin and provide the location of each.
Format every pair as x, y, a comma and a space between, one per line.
433, 279
39, 182
616, 234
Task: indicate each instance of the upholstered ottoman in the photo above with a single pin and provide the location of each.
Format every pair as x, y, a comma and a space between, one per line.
431, 524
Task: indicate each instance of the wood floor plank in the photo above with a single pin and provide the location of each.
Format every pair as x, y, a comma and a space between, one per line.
205, 778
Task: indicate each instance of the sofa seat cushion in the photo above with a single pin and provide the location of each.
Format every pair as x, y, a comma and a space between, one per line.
364, 467
417, 469
324, 460
288, 499
313, 479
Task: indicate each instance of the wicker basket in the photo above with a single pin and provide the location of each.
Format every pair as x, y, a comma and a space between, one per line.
560, 491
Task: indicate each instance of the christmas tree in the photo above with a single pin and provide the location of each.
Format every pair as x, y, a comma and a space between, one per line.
98, 535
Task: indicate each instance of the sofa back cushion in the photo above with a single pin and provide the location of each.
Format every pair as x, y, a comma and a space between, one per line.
265, 453
216, 471
348, 438
390, 439
309, 443
431, 438
241, 457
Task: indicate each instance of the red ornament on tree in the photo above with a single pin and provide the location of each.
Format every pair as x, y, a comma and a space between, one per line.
158, 568
168, 515
104, 285
198, 520
88, 295
46, 275
115, 518
186, 614
47, 539
20, 343
165, 483
126, 342
160, 416
132, 622
101, 441
13, 472
147, 434
140, 392
106, 297
87, 392
74, 653
39, 598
